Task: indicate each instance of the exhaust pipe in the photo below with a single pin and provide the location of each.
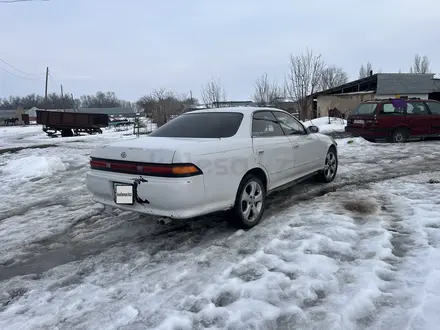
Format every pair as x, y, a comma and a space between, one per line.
164, 221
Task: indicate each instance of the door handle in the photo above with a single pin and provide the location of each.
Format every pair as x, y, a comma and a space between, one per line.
296, 146
260, 151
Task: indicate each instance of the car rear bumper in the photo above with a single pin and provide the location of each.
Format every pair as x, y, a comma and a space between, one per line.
178, 198
368, 132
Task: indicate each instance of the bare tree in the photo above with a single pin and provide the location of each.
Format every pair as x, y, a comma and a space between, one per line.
213, 93
420, 65
265, 92
303, 79
333, 76
161, 105
364, 71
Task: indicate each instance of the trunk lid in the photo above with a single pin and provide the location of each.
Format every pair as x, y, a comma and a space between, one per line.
363, 116
159, 150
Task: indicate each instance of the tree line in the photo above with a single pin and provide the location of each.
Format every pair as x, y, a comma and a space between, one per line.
56, 101
307, 73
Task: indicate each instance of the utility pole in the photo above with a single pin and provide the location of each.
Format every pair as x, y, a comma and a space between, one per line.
73, 102
62, 98
45, 90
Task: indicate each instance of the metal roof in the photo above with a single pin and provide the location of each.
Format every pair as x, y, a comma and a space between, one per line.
109, 111
367, 82
404, 83
243, 110
8, 113
387, 83
436, 83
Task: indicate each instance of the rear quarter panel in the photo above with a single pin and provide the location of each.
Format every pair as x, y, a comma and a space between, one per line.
223, 166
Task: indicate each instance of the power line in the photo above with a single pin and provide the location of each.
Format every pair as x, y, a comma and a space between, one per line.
26, 73
16, 75
15, 1
52, 79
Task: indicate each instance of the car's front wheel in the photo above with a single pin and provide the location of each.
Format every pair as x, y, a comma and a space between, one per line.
330, 169
250, 203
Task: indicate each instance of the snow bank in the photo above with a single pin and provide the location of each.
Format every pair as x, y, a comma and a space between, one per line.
29, 167
327, 124
17, 130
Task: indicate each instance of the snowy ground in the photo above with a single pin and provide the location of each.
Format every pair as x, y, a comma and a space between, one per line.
328, 124
360, 253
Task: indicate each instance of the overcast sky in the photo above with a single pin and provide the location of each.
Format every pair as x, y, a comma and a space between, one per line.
133, 46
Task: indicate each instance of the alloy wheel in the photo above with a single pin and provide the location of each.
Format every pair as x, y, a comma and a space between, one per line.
330, 165
252, 201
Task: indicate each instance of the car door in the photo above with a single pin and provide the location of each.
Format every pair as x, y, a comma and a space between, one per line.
272, 148
418, 118
434, 108
308, 151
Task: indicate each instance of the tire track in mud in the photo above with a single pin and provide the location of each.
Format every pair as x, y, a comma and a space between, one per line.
41, 186
17, 149
40, 193
403, 242
60, 248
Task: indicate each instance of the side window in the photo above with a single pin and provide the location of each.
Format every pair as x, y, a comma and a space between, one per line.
289, 124
416, 108
434, 107
264, 124
391, 109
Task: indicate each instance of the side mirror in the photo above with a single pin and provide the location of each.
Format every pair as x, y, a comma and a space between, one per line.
313, 129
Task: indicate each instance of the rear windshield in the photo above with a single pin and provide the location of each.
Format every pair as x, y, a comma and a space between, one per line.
201, 125
365, 109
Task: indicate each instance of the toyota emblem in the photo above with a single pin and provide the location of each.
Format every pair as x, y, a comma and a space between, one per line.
123, 155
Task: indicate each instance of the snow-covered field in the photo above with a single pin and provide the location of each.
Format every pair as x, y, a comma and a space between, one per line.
360, 253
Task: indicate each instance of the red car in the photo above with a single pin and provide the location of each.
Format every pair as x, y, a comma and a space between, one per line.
395, 120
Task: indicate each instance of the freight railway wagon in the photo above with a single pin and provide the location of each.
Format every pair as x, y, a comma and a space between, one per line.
71, 123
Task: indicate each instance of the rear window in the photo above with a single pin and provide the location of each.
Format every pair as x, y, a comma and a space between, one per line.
201, 125
365, 109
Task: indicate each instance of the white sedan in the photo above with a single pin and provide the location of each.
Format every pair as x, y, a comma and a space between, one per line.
211, 160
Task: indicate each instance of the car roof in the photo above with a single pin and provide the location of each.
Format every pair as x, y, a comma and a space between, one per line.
243, 110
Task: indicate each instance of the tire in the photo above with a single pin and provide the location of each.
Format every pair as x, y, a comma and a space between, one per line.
399, 135
330, 170
66, 133
248, 203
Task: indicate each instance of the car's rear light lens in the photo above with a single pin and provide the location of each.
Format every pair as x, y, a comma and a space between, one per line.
185, 169
164, 170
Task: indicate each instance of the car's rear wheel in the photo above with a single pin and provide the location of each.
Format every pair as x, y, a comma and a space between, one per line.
250, 203
399, 135
328, 173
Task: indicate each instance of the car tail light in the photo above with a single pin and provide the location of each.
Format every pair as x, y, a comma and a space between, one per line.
162, 170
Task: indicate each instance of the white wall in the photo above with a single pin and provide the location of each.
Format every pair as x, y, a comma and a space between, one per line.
344, 103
